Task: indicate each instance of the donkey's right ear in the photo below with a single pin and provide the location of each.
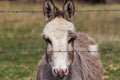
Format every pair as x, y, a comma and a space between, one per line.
49, 10
69, 9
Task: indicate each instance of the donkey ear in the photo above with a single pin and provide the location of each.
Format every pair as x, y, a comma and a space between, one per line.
69, 9
49, 10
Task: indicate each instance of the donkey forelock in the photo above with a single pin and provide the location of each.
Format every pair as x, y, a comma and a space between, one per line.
59, 34
58, 28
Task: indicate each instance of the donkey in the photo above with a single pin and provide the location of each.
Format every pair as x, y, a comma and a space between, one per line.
62, 61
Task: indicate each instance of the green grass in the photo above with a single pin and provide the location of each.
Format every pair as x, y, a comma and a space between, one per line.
22, 31
18, 66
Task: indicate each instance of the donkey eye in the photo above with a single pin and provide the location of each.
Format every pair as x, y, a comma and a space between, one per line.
71, 40
48, 41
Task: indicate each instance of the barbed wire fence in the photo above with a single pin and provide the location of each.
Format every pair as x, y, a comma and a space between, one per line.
37, 11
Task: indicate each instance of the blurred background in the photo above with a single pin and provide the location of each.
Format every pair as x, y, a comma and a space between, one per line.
22, 31
80, 1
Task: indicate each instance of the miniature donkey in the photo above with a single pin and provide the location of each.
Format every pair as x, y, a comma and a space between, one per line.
69, 55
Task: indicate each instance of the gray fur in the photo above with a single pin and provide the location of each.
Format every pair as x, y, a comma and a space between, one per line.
85, 66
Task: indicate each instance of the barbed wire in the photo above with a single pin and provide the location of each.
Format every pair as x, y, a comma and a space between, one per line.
37, 11
20, 11
20, 51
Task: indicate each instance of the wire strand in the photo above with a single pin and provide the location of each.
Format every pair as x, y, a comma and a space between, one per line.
13, 51
37, 11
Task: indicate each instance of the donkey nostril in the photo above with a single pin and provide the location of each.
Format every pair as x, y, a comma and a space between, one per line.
66, 71
55, 71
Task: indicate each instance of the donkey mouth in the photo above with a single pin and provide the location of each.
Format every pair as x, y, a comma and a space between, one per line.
60, 77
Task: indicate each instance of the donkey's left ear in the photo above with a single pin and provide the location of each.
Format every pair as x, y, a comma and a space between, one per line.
69, 9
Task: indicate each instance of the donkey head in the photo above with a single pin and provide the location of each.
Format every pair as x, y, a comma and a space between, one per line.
59, 35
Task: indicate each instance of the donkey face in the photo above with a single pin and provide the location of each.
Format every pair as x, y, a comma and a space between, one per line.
59, 35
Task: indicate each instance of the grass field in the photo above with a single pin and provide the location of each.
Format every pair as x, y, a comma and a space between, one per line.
22, 31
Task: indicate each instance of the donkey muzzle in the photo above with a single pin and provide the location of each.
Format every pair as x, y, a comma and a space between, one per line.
60, 73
